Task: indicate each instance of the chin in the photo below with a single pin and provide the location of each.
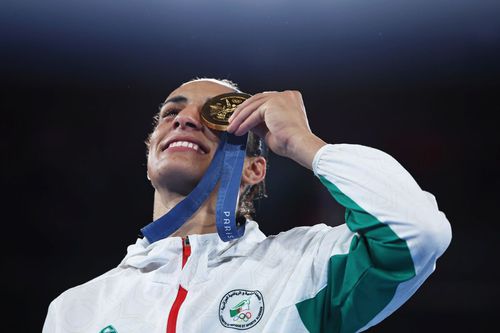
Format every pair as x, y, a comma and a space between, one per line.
176, 176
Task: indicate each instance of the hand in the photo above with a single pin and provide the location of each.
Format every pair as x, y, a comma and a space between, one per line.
280, 118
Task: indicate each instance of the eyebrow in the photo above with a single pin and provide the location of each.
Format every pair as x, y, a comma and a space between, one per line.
175, 99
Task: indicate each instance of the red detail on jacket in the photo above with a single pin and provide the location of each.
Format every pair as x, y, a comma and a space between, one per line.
181, 294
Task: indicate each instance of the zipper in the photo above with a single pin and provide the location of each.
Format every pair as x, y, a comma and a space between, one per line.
181, 293
186, 250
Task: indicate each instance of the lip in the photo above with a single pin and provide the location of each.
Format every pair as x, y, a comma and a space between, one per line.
164, 145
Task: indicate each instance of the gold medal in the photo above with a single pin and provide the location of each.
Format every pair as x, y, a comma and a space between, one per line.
216, 112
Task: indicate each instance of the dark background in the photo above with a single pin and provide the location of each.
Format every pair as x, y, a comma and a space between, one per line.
82, 80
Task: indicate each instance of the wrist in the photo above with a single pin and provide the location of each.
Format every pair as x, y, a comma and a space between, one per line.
303, 148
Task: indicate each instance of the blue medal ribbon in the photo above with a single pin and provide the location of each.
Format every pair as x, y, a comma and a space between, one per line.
177, 216
226, 165
229, 190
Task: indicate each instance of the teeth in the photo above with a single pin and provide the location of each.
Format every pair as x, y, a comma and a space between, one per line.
185, 144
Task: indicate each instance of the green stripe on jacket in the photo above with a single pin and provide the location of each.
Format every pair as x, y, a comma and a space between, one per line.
362, 282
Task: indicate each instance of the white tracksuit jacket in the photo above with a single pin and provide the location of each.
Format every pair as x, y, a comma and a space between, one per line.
308, 279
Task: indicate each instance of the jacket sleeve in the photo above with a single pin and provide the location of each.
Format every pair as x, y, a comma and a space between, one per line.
398, 234
50, 320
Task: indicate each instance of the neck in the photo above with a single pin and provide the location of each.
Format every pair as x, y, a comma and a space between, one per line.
201, 222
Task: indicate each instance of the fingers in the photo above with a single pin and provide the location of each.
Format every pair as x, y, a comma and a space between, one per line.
251, 121
246, 110
243, 113
249, 101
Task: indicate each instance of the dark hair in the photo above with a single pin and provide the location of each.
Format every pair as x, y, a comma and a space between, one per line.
246, 206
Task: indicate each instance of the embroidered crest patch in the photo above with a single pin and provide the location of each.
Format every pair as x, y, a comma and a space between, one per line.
241, 309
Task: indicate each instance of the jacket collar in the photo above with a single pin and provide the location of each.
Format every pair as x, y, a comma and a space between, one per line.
209, 247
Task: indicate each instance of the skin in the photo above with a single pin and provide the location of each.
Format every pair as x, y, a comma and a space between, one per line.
279, 117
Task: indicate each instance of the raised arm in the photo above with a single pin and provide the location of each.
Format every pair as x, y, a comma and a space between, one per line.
397, 230
399, 235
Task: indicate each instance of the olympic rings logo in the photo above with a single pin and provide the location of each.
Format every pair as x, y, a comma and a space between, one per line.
243, 316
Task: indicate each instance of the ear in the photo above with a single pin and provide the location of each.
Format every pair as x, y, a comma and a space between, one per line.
254, 170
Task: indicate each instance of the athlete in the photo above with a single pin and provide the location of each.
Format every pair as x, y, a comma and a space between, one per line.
307, 279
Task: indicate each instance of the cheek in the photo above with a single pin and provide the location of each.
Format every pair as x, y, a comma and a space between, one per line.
153, 143
154, 139
149, 159
154, 135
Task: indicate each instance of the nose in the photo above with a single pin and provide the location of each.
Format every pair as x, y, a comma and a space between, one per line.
188, 118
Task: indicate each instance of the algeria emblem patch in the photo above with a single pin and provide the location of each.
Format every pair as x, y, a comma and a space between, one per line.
241, 309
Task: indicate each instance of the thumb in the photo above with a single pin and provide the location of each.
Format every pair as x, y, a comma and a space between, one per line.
261, 130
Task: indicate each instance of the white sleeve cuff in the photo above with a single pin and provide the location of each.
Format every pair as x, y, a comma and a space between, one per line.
317, 157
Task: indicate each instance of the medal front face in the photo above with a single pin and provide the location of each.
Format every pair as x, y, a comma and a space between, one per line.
216, 112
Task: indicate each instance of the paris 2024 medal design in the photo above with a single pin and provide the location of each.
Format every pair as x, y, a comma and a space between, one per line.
216, 112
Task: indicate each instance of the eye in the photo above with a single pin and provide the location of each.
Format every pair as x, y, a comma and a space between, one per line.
169, 113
